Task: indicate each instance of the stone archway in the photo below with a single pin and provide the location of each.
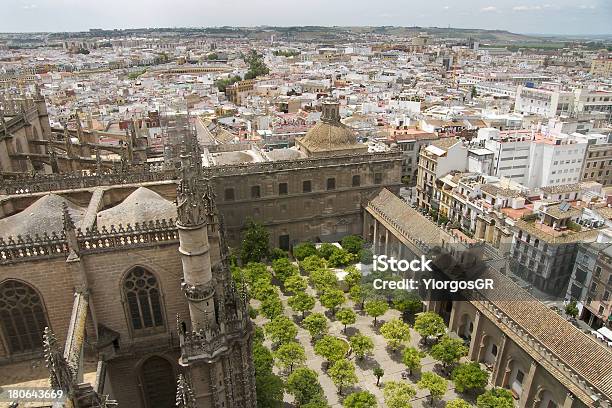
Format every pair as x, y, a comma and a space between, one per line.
158, 382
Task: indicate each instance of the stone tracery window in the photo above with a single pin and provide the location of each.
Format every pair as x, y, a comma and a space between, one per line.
22, 317
143, 298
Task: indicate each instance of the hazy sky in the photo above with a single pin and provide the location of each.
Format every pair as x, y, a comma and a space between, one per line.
522, 16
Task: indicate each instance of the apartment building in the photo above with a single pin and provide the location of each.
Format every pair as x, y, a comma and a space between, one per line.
511, 153
601, 66
410, 141
554, 160
546, 242
439, 158
591, 284
597, 164
548, 101
590, 101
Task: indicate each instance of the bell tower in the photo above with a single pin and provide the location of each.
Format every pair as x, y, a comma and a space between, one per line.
216, 341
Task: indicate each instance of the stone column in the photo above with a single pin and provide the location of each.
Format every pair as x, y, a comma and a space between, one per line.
498, 360
386, 241
527, 385
453, 317
375, 243
475, 343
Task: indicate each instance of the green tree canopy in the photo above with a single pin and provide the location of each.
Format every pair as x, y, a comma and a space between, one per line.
326, 250
295, 284
222, 84
332, 298
262, 358
270, 390
571, 309
271, 307
289, 355
363, 399
283, 269
262, 290
407, 302
353, 276
255, 243
362, 345
322, 279
376, 308
331, 349
281, 329
470, 377
412, 359
269, 386
313, 262
360, 293
304, 385
395, 332
429, 324
458, 403
495, 398
304, 250
340, 257
256, 64
278, 253
302, 302
436, 385
448, 350
352, 243
346, 316
342, 373
398, 394
316, 324
256, 272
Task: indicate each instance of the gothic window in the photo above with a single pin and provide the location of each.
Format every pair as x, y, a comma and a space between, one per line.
143, 300
356, 180
22, 317
331, 183
229, 194
158, 385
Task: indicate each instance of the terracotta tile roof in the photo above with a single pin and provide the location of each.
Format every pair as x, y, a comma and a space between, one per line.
407, 217
581, 353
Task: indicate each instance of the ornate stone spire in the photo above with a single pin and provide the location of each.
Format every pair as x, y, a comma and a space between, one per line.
195, 196
60, 375
184, 394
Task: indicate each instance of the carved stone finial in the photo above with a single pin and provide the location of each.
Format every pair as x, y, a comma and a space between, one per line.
60, 375
195, 195
185, 398
68, 223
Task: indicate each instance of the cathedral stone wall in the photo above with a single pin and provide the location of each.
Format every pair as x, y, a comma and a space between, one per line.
54, 282
106, 271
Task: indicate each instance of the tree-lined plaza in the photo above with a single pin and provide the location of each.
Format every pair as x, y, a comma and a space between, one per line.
322, 341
